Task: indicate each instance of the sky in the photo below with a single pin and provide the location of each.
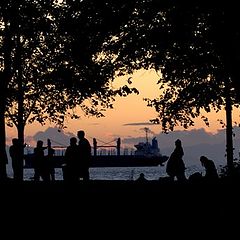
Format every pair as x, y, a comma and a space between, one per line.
127, 120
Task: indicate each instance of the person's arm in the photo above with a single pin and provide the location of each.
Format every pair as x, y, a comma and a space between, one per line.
44, 148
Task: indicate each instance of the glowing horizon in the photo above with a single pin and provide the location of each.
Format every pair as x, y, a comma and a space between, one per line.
124, 120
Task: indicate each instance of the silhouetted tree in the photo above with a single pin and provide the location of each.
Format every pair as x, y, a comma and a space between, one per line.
50, 61
194, 46
24, 25
199, 68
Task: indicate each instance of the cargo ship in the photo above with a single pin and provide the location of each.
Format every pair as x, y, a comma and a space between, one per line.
146, 154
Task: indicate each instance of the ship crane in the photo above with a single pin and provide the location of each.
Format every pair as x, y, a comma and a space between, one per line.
147, 131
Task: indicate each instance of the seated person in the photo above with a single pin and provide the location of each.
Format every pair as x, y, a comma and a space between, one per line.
195, 177
141, 178
210, 168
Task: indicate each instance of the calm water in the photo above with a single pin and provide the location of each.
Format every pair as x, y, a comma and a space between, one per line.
119, 173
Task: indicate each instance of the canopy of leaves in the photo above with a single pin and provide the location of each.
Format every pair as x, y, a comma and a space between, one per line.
54, 50
195, 47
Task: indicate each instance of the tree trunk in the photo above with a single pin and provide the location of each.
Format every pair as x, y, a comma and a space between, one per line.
3, 154
229, 132
4, 79
20, 130
20, 100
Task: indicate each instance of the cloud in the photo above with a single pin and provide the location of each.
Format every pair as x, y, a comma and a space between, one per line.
30, 140
138, 124
188, 138
8, 140
57, 137
195, 142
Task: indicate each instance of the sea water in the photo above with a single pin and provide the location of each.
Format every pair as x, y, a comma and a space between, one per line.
118, 173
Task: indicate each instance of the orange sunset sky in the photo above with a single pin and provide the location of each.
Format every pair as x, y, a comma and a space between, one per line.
127, 110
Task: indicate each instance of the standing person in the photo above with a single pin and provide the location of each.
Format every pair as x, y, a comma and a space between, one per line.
210, 168
50, 160
85, 155
175, 165
17, 162
71, 168
40, 163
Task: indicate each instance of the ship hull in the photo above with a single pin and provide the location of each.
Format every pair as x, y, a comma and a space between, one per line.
108, 161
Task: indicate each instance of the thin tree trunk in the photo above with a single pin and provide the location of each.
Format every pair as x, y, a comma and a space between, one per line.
229, 132
20, 100
4, 79
21, 142
3, 154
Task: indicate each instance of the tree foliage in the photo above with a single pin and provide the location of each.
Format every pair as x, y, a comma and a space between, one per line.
57, 58
194, 47
50, 53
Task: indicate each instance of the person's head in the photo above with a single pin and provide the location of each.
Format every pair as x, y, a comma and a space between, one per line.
73, 141
203, 160
15, 141
178, 143
80, 134
39, 143
142, 175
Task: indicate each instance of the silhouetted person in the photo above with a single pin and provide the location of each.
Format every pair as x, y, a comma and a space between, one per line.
71, 171
94, 146
141, 178
84, 155
41, 166
210, 168
17, 161
195, 177
175, 165
118, 146
50, 160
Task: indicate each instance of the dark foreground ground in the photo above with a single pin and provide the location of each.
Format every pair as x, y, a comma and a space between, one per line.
223, 194
121, 204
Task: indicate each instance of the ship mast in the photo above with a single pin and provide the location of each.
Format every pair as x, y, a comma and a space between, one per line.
147, 130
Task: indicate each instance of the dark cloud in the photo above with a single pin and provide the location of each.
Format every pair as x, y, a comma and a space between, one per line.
139, 124
147, 130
